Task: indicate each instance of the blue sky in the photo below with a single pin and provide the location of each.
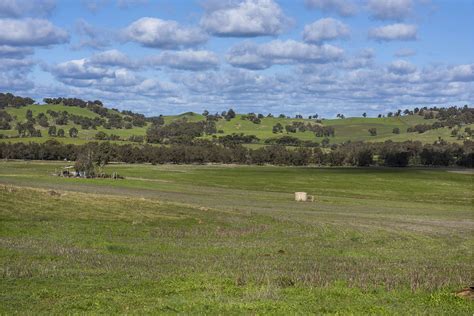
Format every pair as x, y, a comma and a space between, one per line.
293, 57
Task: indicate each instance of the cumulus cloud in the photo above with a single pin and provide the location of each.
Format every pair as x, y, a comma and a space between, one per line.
31, 32
19, 8
405, 52
79, 69
463, 73
341, 7
7, 51
401, 67
84, 73
362, 59
390, 9
394, 32
248, 18
91, 36
325, 30
164, 34
10, 82
112, 57
186, 60
20, 65
252, 56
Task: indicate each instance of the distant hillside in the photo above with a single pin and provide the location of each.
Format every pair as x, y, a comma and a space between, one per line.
94, 122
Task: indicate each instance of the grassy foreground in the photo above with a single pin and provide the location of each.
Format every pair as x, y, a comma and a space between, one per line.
227, 239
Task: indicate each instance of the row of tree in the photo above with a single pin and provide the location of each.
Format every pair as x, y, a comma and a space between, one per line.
10, 100
352, 154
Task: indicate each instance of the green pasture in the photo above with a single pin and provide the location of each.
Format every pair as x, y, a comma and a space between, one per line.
348, 129
214, 239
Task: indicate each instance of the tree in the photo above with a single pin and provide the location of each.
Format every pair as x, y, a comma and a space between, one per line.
278, 128
73, 132
229, 115
364, 114
364, 157
100, 136
29, 115
85, 164
396, 130
60, 132
43, 120
373, 131
52, 131
205, 113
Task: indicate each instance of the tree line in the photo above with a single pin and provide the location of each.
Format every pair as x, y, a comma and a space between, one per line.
389, 153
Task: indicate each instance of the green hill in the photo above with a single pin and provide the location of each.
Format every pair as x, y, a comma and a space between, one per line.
347, 129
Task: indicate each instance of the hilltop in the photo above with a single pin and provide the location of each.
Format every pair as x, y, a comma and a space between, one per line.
94, 122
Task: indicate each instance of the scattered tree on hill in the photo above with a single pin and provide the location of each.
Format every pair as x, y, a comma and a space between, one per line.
42, 120
229, 115
73, 132
373, 131
29, 115
277, 128
10, 100
5, 120
52, 131
60, 132
364, 114
396, 130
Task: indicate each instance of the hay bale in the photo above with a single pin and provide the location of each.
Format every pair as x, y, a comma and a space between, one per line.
301, 196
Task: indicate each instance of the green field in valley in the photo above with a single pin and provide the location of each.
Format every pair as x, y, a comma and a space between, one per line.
353, 129
214, 239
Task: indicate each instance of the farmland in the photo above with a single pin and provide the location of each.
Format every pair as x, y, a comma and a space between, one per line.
348, 129
230, 239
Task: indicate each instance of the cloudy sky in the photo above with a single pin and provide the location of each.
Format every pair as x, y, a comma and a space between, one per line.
288, 56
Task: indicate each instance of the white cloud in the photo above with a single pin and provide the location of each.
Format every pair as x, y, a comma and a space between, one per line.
341, 7
390, 9
79, 69
463, 73
164, 34
363, 59
248, 18
19, 8
91, 36
252, 56
393, 32
186, 60
324, 30
405, 52
19, 65
112, 57
30, 32
401, 67
14, 51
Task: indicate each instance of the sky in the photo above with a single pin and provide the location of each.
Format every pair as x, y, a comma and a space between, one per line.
265, 56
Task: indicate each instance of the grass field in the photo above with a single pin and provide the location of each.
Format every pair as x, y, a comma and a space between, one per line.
230, 240
354, 129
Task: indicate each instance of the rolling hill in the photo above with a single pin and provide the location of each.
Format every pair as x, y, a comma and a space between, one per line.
347, 129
